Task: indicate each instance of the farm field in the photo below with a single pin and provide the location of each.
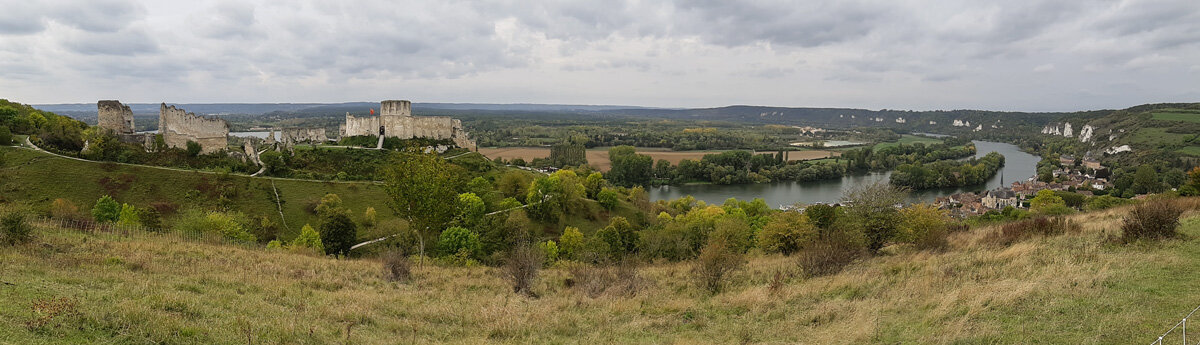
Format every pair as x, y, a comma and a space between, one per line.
598, 157
908, 139
1185, 115
1190, 150
1154, 137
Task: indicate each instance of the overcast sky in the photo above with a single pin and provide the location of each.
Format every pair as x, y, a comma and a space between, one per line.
898, 54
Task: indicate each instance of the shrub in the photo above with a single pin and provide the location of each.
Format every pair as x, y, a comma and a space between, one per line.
6, 137
621, 279
924, 226
308, 240
129, 215
64, 209
550, 249
106, 210
14, 229
787, 233
230, 225
459, 241
830, 254
369, 217
338, 233
716, 261
1045, 226
1151, 220
608, 198
193, 148
521, 268
821, 215
396, 266
570, 244
275, 245
619, 236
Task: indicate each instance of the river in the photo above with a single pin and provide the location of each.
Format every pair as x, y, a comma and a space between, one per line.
1018, 165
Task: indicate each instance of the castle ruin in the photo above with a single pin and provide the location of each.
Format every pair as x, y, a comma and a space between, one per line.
312, 135
117, 117
395, 120
179, 126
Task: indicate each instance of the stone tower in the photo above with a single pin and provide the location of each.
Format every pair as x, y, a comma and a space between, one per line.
115, 116
395, 108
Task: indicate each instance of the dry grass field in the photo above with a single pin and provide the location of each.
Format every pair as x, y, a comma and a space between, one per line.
598, 157
1078, 288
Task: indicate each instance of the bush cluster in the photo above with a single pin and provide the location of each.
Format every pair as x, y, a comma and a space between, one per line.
1041, 226
1151, 220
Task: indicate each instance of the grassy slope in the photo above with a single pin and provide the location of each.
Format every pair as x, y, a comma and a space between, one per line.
1185, 115
1074, 288
40, 178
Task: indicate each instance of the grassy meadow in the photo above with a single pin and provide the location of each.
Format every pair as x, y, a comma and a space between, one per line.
1185, 115
1080, 288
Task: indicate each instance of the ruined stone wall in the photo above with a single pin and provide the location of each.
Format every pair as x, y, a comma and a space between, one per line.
179, 126
115, 116
304, 135
397, 121
360, 126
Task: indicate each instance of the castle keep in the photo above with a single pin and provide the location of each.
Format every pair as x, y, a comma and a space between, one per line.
395, 120
178, 127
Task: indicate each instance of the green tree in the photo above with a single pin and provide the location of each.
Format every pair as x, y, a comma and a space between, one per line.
821, 215
338, 233
106, 210
873, 209
470, 211
620, 237
456, 240
514, 184
129, 215
6, 137
608, 198
787, 233
593, 184
330, 204
923, 225
628, 167
1145, 180
308, 239
570, 243
420, 186
1046, 201
274, 163
193, 148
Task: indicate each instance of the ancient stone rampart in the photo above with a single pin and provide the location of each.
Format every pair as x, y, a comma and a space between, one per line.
179, 126
115, 116
395, 117
314, 135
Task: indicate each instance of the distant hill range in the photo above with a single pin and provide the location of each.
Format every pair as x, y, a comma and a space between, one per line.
1181, 116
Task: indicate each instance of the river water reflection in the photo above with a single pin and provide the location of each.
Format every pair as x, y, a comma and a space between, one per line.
1018, 165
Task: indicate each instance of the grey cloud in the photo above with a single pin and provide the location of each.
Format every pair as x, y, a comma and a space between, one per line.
98, 15
229, 20
126, 42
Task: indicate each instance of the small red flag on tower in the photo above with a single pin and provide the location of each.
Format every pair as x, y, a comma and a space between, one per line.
372, 111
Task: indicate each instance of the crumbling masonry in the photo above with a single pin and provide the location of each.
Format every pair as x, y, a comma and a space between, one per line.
118, 117
395, 120
178, 127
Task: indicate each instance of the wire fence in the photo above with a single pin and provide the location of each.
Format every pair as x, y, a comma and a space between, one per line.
210, 236
1178, 332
